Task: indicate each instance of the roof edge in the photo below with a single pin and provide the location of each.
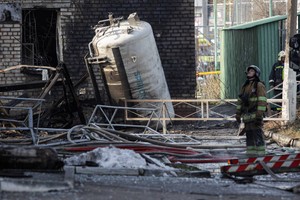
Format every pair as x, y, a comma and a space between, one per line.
258, 22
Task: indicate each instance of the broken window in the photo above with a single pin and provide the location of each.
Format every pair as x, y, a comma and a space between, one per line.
39, 37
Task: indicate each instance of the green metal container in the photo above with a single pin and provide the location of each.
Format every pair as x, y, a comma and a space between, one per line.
256, 43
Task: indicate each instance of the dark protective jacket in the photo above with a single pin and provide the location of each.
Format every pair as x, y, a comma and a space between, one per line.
252, 101
277, 74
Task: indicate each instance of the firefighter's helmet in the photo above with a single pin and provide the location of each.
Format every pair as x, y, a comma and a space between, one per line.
256, 69
281, 55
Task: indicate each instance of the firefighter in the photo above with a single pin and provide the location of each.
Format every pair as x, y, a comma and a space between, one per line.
251, 106
276, 77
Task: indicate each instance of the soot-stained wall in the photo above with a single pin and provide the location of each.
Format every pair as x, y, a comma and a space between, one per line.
172, 22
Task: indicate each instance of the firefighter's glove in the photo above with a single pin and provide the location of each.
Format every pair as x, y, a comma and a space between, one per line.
238, 118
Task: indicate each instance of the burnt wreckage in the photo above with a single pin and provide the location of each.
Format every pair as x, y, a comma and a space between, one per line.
126, 72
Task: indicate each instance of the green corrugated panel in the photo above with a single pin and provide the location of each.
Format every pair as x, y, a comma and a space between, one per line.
238, 52
254, 43
251, 43
268, 48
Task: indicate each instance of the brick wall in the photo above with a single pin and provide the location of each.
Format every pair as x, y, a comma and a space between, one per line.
172, 22
10, 37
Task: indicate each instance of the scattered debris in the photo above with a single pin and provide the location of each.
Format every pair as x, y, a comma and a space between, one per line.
113, 158
282, 139
114, 161
29, 157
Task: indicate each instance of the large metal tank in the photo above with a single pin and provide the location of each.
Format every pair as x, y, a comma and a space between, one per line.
133, 69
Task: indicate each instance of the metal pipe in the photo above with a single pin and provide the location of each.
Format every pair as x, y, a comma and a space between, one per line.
270, 8
215, 34
93, 80
224, 13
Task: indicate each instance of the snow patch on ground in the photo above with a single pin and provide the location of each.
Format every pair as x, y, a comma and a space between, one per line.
114, 158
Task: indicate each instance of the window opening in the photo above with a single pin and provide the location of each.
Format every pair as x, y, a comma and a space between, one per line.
39, 37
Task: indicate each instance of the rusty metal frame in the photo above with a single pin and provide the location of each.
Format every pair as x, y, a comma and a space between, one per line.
148, 132
26, 123
109, 118
201, 107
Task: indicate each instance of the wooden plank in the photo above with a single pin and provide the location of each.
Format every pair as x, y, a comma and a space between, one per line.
25, 86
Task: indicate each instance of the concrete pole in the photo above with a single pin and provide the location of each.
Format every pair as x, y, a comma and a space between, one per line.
289, 94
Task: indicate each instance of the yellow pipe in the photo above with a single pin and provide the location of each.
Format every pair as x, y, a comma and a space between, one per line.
208, 73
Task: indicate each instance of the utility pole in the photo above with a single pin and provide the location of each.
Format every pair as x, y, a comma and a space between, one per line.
216, 33
224, 13
237, 11
289, 93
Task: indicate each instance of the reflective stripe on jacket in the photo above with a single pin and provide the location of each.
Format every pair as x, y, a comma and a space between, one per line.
252, 102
